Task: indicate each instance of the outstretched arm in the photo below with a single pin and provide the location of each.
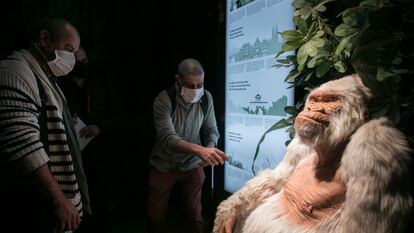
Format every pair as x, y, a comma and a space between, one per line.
375, 168
257, 189
167, 134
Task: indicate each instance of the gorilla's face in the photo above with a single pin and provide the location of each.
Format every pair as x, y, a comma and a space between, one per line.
314, 122
309, 130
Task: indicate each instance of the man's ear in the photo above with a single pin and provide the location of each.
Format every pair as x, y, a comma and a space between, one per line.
177, 80
44, 37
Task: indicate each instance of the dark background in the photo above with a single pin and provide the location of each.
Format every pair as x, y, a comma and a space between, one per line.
137, 45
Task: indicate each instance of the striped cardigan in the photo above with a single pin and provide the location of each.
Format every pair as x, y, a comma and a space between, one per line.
21, 148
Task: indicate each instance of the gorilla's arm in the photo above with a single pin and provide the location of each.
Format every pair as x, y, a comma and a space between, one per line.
257, 189
375, 171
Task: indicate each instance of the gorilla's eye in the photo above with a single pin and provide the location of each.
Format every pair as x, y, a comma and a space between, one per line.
324, 97
332, 99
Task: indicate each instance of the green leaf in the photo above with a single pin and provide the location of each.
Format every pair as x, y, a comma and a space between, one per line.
301, 67
305, 12
292, 75
318, 34
310, 49
344, 30
292, 35
312, 62
291, 119
317, 42
312, 27
342, 45
323, 51
350, 20
371, 3
340, 66
323, 68
302, 55
321, 8
288, 46
397, 61
299, 3
290, 129
308, 76
290, 110
347, 53
351, 16
328, 30
300, 103
302, 25
279, 53
288, 141
284, 61
278, 125
353, 39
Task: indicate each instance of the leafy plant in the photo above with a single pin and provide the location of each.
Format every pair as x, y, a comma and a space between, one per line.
338, 37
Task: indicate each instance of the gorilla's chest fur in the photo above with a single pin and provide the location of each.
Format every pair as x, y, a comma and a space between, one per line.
308, 198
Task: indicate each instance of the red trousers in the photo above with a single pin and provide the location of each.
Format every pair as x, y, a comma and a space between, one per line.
190, 185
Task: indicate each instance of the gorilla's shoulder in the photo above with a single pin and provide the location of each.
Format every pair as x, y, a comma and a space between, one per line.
377, 144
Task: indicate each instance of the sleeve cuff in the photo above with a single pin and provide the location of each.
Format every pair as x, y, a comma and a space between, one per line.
172, 144
32, 162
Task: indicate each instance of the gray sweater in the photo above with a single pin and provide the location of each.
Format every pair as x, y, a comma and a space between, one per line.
187, 123
21, 150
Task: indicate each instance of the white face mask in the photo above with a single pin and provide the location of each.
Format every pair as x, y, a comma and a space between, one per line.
63, 63
191, 95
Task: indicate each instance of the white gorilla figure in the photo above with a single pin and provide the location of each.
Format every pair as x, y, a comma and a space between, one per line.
341, 173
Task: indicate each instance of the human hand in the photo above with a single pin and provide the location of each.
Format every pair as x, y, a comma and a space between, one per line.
67, 216
75, 118
212, 156
89, 131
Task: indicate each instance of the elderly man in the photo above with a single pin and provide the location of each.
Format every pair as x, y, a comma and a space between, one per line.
43, 186
180, 114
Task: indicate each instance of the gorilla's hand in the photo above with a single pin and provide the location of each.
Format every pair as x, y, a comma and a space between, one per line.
226, 218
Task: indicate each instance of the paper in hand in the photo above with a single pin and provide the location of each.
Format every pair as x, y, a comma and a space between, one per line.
82, 141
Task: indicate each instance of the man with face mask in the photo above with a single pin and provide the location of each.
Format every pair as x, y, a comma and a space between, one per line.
178, 157
42, 184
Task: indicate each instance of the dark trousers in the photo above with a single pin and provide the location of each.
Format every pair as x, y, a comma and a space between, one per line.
23, 212
190, 184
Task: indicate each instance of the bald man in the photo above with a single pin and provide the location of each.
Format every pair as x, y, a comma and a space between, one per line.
42, 187
178, 158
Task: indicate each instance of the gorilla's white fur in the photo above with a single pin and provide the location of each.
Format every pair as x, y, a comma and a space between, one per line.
373, 166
